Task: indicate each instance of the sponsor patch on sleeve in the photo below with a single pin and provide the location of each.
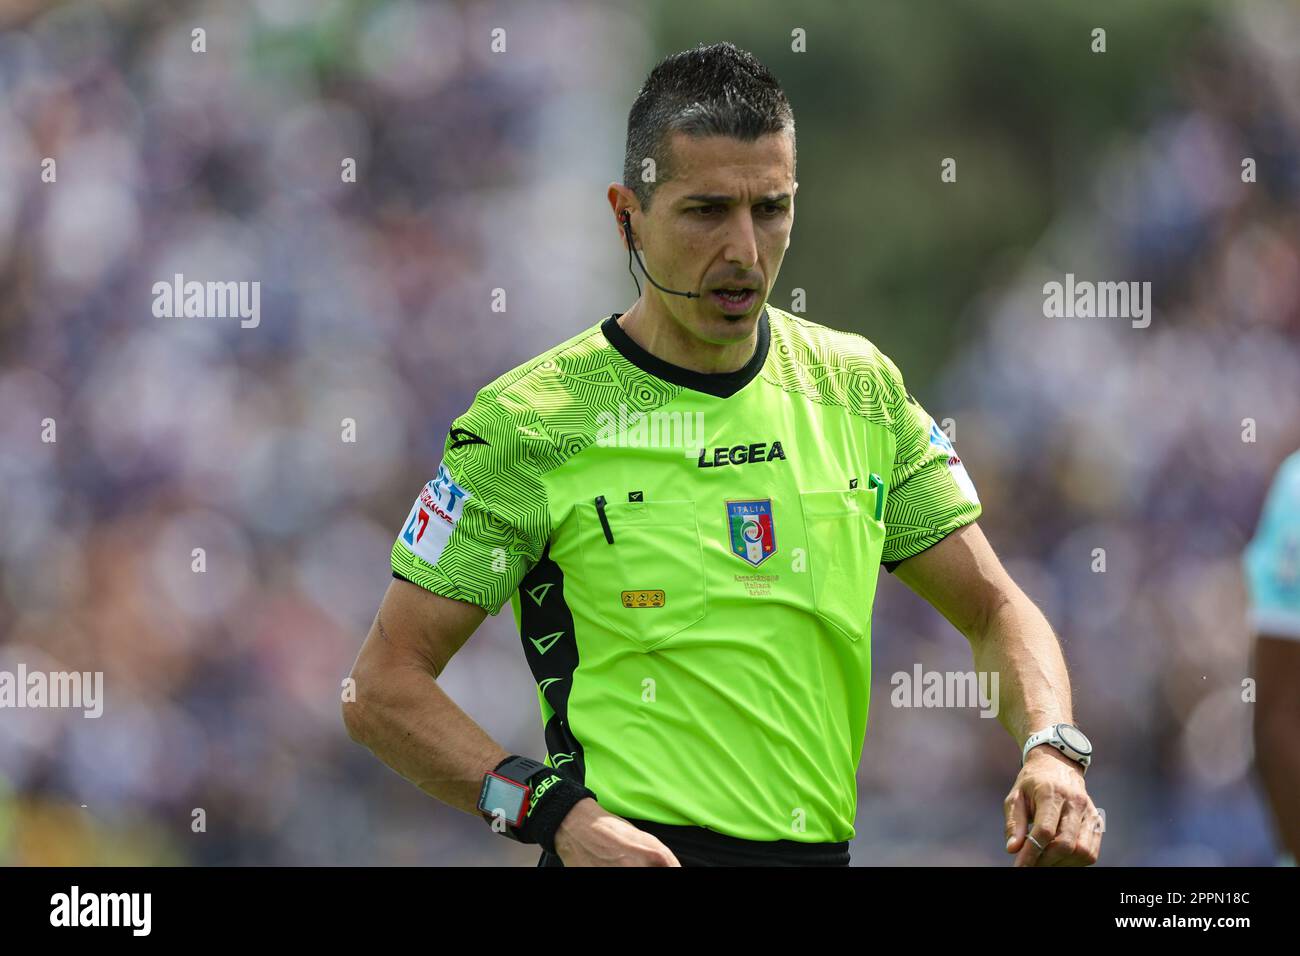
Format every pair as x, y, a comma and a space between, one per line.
433, 517
958, 470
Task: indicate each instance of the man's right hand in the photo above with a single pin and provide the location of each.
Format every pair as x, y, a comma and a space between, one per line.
590, 835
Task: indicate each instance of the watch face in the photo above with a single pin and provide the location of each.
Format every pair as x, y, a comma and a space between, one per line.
1075, 739
503, 798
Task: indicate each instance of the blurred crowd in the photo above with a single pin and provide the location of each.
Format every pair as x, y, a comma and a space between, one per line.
221, 740
223, 686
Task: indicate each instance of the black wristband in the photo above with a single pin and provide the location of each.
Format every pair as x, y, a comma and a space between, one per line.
553, 795
546, 812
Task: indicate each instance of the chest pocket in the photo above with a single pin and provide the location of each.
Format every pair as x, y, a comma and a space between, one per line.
844, 542
648, 583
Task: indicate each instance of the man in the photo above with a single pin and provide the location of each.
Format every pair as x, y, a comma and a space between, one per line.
687, 505
1272, 565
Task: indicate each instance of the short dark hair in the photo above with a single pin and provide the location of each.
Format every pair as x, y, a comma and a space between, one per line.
715, 90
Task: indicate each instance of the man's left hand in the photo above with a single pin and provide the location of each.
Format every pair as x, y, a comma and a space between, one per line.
1049, 795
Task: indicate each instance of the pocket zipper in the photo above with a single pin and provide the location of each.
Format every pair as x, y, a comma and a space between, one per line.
604, 521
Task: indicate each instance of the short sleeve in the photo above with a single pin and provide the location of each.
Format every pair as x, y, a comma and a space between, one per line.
930, 493
480, 524
1272, 559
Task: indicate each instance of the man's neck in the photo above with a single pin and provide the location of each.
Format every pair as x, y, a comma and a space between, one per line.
660, 335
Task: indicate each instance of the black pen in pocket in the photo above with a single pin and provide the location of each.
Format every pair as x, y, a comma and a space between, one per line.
604, 521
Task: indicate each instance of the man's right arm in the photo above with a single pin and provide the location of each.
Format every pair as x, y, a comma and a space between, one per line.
401, 713
411, 724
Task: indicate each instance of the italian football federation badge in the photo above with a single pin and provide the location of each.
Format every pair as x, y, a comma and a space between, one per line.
753, 536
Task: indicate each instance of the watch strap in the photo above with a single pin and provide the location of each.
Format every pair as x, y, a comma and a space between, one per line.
1052, 736
519, 769
1036, 738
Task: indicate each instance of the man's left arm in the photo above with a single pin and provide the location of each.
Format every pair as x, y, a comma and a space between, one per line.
964, 580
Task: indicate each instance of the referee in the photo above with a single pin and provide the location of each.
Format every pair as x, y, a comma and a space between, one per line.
687, 505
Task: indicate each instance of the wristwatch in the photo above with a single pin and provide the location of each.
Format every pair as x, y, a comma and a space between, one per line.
1066, 738
507, 792
530, 798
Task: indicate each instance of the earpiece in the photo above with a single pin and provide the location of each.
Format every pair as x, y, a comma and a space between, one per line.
631, 251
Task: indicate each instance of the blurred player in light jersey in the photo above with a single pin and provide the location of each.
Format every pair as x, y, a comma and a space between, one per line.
1272, 566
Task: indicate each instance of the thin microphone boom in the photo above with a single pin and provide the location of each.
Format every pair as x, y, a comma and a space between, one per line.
631, 251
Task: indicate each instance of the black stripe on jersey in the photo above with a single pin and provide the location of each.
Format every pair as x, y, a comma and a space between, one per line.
546, 629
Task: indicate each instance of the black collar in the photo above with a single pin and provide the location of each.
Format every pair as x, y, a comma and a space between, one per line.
721, 384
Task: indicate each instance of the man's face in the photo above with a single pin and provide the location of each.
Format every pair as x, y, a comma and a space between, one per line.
723, 219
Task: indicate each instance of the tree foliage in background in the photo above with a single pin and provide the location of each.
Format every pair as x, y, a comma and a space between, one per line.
886, 91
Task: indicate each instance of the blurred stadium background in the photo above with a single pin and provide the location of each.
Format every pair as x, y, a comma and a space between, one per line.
481, 170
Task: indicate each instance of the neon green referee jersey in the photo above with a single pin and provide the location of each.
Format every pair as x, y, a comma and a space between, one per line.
692, 559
